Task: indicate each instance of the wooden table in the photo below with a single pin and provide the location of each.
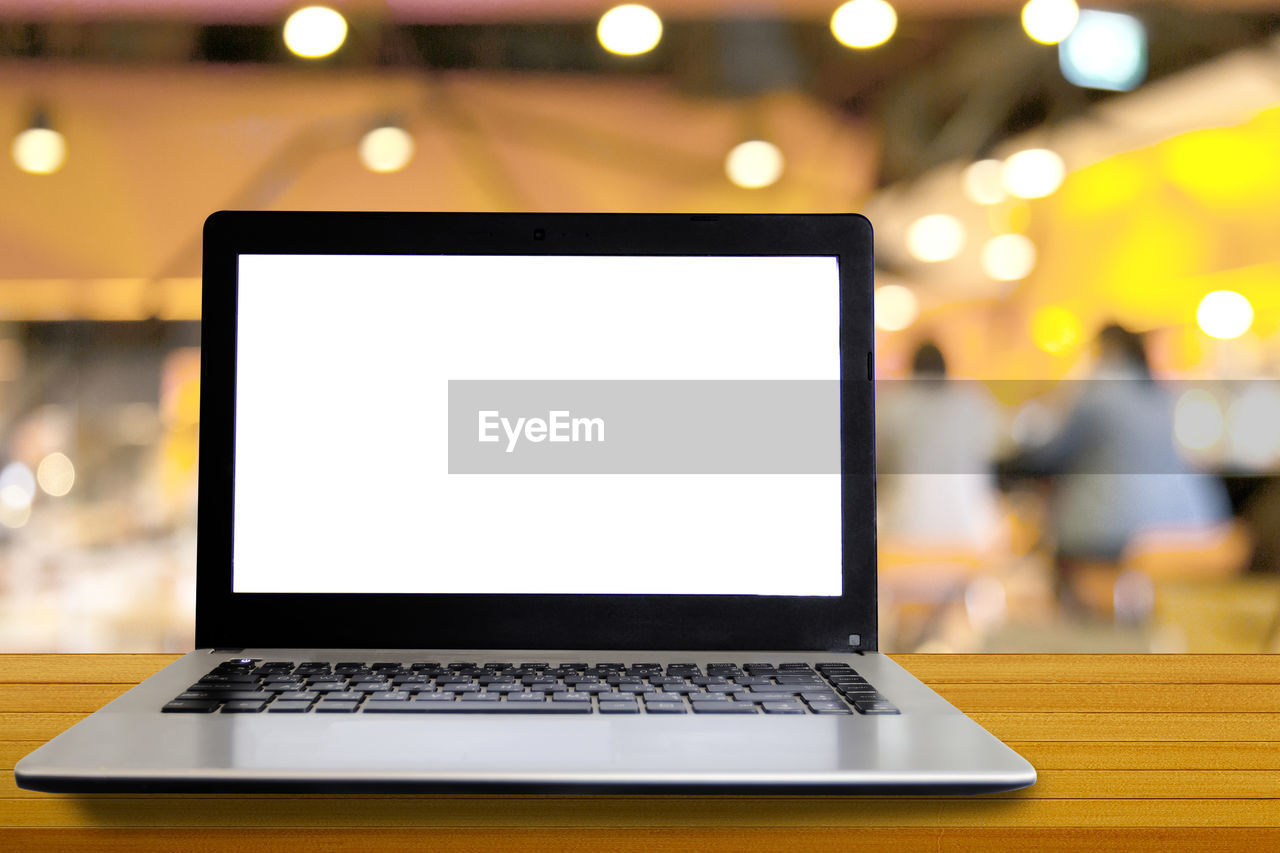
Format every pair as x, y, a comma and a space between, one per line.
1134, 752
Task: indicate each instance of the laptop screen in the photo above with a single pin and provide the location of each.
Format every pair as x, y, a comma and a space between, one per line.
537, 425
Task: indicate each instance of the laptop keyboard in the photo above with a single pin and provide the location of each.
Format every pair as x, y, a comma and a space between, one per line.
252, 686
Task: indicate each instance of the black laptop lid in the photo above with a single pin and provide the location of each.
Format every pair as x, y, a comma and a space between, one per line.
594, 431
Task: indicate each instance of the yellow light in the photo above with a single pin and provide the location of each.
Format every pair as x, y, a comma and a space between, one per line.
895, 307
39, 150
55, 474
983, 182
629, 30
1224, 314
1008, 257
864, 23
14, 517
934, 238
1197, 420
1033, 173
1055, 330
313, 32
386, 149
1050, 21
754, 164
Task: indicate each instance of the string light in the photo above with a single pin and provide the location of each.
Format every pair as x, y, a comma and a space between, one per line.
983, 183
388, 148
1033, 173
895, 308
39, 150
1008, 257
934, 238
1224, 314
864, 24
314, 32
629, 30
1049, 21
754, 164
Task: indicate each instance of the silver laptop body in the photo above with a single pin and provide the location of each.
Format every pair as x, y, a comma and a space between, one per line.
525, 502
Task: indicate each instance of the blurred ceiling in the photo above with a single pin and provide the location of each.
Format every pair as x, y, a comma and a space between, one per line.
115, 233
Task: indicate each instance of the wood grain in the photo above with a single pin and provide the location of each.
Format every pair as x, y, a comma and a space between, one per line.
1135, 753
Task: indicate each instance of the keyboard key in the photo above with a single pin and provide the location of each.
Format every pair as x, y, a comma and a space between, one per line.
833, 710
240, 706
298, 696
337, 707
190, 706
664, 708
286, 707
240, 695
581, 698
480, 697
434, 697
496, 707
876, 708
819, 696
619, 708
782, 707
723, 708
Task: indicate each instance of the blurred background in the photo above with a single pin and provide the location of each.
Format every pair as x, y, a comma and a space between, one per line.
1078, 252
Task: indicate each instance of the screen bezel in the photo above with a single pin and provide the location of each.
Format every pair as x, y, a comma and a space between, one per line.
226, 619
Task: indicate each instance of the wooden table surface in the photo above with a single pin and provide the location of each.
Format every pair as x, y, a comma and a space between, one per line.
1134, 752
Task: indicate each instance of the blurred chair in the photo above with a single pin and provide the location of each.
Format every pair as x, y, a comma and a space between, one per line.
950, 594
1127, 589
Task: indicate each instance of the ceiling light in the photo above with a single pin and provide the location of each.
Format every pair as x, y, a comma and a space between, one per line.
629, 30
39, 150
1106, 50
315, 31
1224, 314
754, 164
895, 307
1008, 257
864, 23
386, 149
937, 237
983, 183
1033, 173
1050, 21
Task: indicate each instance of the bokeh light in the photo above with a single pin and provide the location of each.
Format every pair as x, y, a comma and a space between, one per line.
1033, 173
754, 164
983, 182
1106, 50
1224, 314
1055, 329
1008, 257
39, 150
629, 30
314, 32
1253, 425
17, 490
896, 307
1049, 21
934, 238
55, 474
863, 24
386, 149
1197, 420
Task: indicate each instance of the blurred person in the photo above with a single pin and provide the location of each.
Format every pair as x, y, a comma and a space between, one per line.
1118, 471
936, 440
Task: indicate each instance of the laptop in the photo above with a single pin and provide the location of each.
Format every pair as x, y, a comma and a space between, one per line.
517, 502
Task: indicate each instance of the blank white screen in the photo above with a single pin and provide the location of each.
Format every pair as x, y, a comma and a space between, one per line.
341, 469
